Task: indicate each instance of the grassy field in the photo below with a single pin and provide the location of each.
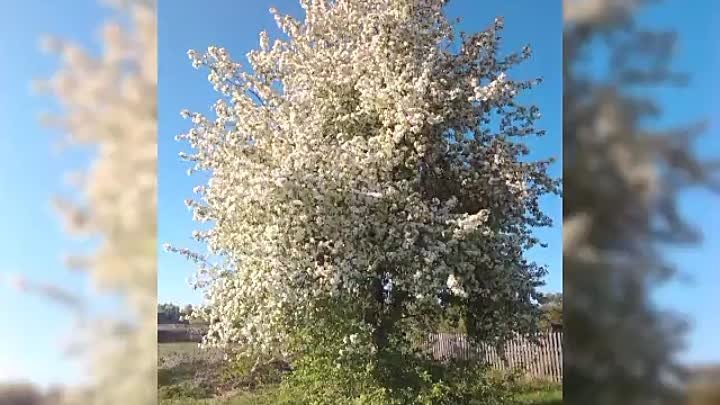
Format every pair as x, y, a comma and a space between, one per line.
188, 376
182, 348
541, 395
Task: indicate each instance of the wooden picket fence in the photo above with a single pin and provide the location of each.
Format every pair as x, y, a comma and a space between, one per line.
539, 359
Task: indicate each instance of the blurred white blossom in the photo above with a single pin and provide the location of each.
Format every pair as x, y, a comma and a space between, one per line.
624, 175
108, 103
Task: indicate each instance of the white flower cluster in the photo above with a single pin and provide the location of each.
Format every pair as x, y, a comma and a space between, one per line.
109, 102
598, 11
360, 149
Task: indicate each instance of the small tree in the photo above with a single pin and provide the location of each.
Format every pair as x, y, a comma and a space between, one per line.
552, 311
364, 180
168, 313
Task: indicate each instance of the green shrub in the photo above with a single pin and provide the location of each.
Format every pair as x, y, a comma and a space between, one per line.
397, 379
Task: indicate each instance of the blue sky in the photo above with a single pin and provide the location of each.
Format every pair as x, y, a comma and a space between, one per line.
237, 28
31, 174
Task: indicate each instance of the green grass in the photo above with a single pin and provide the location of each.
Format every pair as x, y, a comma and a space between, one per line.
179, 383
541, 397
548, 396
540, 394
245, 398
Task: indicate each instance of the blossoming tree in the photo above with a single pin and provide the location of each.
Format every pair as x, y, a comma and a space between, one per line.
366, 175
